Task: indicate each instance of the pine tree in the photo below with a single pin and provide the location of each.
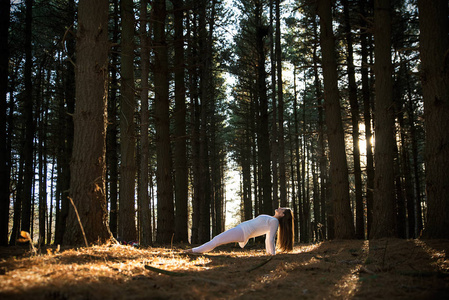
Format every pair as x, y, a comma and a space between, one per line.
126, 224
4, 161
165, 206
434, 44
384, 193
88, 167
344, 227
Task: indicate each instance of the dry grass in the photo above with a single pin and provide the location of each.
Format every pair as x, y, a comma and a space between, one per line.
391, 269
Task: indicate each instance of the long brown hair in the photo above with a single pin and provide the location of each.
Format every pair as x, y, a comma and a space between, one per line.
286, 231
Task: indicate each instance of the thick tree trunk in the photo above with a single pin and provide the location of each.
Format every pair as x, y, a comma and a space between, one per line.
343, 221
4, 161
384, 201
434, 45
88, 168
165, 206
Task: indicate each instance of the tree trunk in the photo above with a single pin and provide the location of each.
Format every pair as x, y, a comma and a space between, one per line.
88, 168
343, 222
297, 210
325, 221
434, 45
42, 160
304, 218
415, 218
180, 157
28, 124
274, 127
165, 206
280, 93
206, 96
263, 135
66, 131
5, 163
366, 96
127, 216
384, 201
194, 116
352, 86
111, 136
145, 214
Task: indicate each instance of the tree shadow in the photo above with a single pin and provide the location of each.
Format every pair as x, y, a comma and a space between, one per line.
404, 269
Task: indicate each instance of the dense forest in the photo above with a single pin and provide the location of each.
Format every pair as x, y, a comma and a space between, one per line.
124, 118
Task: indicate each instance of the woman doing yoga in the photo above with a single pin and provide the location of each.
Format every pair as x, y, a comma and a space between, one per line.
263, 224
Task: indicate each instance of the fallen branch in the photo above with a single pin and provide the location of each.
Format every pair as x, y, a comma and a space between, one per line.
166, 272
260, 265
79, 221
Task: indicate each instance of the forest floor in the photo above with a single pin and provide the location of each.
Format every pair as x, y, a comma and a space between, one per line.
385, 268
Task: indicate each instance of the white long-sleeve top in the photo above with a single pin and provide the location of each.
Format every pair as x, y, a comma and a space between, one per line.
263, 224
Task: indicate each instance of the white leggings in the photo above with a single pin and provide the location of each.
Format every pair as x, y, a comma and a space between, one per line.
232, 235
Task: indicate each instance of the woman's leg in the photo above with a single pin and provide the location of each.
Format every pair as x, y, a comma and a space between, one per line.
230, 236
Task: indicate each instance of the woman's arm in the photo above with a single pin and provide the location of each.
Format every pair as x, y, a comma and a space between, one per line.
270, 237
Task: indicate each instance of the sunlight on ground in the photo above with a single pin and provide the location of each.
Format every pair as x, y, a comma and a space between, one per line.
349, 284
386, 268
440, 256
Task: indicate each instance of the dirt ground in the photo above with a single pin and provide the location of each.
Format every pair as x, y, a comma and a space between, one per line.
386, 268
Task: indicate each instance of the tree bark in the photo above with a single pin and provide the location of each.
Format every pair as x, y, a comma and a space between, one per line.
206, 96
434, 45
321, 141
274, 126
297, 208
88, 168
180, 157
165, 206
343, 222
28, 123
126, 213
66, 131
353, 101
5, 168
280, 93
263, 134
366, 96
384, 201
144, 199
112, 132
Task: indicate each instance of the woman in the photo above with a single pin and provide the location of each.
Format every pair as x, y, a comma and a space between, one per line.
263, 224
